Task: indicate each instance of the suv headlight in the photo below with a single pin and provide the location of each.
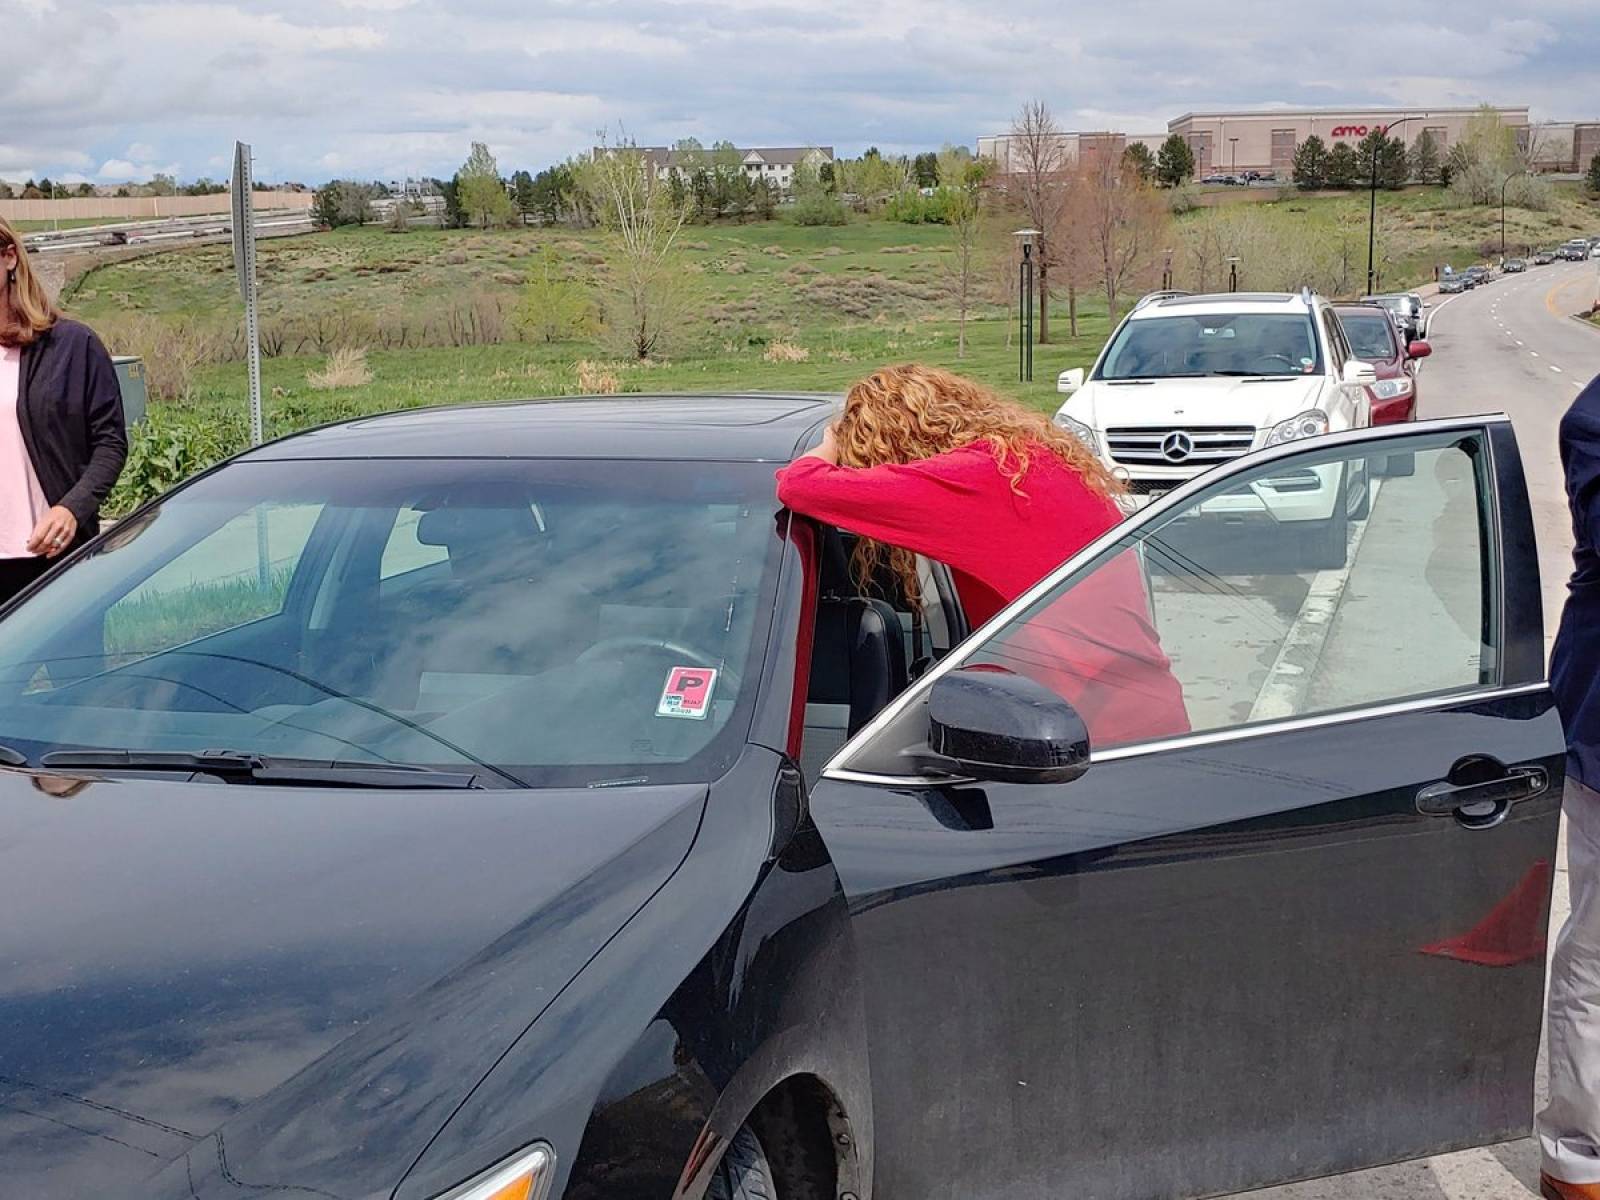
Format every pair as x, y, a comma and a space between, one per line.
526, 1175
1307, 424
1080, 431
1391, 389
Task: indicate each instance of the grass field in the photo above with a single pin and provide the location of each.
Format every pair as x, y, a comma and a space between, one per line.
69, 223
762, 307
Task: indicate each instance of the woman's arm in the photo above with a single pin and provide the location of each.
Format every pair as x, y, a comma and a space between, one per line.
928, 507
107, 435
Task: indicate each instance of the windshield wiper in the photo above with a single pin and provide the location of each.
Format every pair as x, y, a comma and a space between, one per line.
240, 766
1261, 376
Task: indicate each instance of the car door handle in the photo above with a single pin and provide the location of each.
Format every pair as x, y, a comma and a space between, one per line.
1484, 803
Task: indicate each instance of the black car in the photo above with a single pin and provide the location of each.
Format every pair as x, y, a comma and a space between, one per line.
1514, 266
513, 801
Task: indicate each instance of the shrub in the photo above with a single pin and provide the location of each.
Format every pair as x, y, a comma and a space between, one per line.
165, 449
597, 379
346, 368
785, 352
817, 208
171, 349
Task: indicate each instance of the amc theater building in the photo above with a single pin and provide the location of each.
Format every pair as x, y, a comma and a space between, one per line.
1265, 141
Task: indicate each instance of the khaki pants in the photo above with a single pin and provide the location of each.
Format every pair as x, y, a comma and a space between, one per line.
1569, 1126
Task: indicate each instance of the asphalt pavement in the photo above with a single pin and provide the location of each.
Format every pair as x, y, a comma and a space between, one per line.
1510, 346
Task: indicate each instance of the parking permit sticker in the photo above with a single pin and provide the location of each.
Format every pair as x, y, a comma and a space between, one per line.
688, 693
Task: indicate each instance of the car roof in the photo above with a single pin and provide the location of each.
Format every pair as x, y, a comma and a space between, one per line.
1224, 302
755, 427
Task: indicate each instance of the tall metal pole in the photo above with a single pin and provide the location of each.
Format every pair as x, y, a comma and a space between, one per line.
1027, 288
1372, 207
1022, 324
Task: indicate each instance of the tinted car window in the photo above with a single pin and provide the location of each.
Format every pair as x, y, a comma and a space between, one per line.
1215, 344
1371, 336
562, 621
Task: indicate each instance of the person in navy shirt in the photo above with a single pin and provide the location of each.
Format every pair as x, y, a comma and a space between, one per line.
1569, 1126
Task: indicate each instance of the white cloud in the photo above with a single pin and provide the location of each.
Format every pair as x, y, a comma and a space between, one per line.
383, 87
120, 170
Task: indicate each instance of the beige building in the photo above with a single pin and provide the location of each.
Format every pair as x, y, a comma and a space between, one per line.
775, 164
1264, 141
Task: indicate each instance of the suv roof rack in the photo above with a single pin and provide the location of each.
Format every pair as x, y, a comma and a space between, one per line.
1153, 297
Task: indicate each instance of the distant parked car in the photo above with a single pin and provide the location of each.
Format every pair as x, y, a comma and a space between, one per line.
1216, 178
1544, 258
1515, 266
1575, 250
1453, 283
1478, 275
1406, 308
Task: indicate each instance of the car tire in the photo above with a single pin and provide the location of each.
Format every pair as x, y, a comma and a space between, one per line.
1328, 542
1364, 506
744, 1172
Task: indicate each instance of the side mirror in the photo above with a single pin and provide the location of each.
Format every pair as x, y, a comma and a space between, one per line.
1070, 381
1419, 349
1358, 372
993, 724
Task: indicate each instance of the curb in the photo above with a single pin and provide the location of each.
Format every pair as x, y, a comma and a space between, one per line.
1583, 319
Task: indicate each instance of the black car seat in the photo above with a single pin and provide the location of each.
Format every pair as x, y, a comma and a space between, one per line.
858, 661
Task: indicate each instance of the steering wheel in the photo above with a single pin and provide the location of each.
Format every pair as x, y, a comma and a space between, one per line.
685, 654
1270, 358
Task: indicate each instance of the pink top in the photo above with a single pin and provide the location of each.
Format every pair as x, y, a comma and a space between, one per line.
22, 502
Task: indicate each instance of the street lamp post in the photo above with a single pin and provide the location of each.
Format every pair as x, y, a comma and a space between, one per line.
1372, 206
1503, 183
1166, 272
1026, 238
1233, 273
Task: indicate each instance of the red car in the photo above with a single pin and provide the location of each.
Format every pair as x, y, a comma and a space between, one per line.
1374, 338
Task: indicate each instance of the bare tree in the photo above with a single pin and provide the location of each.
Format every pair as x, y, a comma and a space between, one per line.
644, 221
963, 184
1123, 223
1036, 159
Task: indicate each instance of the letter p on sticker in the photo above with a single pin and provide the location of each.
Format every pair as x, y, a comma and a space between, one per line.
688, 693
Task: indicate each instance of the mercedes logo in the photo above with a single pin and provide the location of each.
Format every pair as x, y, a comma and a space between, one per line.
1177, 446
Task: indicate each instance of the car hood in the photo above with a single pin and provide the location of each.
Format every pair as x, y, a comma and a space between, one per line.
1212, 400
181, 961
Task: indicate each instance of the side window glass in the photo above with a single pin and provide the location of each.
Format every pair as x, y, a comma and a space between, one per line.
1320, 583
239, 574
1338, 351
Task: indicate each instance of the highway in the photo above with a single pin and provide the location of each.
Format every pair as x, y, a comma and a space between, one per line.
1509, 346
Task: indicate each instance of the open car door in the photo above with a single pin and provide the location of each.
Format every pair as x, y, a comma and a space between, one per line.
1292, 924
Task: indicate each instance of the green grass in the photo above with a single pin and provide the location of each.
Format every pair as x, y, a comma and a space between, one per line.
69, 223
849, 297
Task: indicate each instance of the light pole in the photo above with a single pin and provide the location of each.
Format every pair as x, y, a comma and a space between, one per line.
1503, 183
1166, 272
1025, 305
1372, 188
1233, 272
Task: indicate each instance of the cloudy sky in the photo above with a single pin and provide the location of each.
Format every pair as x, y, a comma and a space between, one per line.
115, 90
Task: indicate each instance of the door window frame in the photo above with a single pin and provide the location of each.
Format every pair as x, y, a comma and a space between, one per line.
1519, 649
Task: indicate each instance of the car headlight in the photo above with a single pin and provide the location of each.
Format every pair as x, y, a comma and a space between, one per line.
1391, 389
1080, 431
1307, 424
526, 1175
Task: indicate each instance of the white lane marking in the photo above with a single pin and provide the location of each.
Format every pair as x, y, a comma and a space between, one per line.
1535, 353
1555, 368
1474, 1175
1521, 343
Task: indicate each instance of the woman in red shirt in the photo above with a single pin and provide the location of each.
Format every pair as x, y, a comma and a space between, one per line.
926, 462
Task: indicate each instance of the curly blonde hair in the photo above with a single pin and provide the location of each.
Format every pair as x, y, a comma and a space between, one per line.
908, 412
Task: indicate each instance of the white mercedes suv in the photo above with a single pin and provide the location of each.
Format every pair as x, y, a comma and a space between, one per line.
1187, 382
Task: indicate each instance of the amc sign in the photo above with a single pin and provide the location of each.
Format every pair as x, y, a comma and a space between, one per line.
1357, 130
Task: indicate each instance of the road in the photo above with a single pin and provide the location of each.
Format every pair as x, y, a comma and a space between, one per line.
1511, 346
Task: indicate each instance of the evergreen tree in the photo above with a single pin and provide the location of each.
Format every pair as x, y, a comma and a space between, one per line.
1593, 175
1344, 167
925, 169
1423, 164
523, 192
1175, 162
1138, 159
1311, 164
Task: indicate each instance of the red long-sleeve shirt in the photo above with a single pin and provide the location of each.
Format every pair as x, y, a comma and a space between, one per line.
1096, 646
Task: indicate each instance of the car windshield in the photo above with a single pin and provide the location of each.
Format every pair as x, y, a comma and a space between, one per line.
1371, 335
1164, 347
554, 622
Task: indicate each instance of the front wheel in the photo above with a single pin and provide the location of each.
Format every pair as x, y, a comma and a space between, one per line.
744, 1172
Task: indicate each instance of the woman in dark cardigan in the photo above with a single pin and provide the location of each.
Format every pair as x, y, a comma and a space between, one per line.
62, 441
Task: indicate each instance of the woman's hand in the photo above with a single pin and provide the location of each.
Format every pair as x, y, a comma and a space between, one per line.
53, 533
828, 451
